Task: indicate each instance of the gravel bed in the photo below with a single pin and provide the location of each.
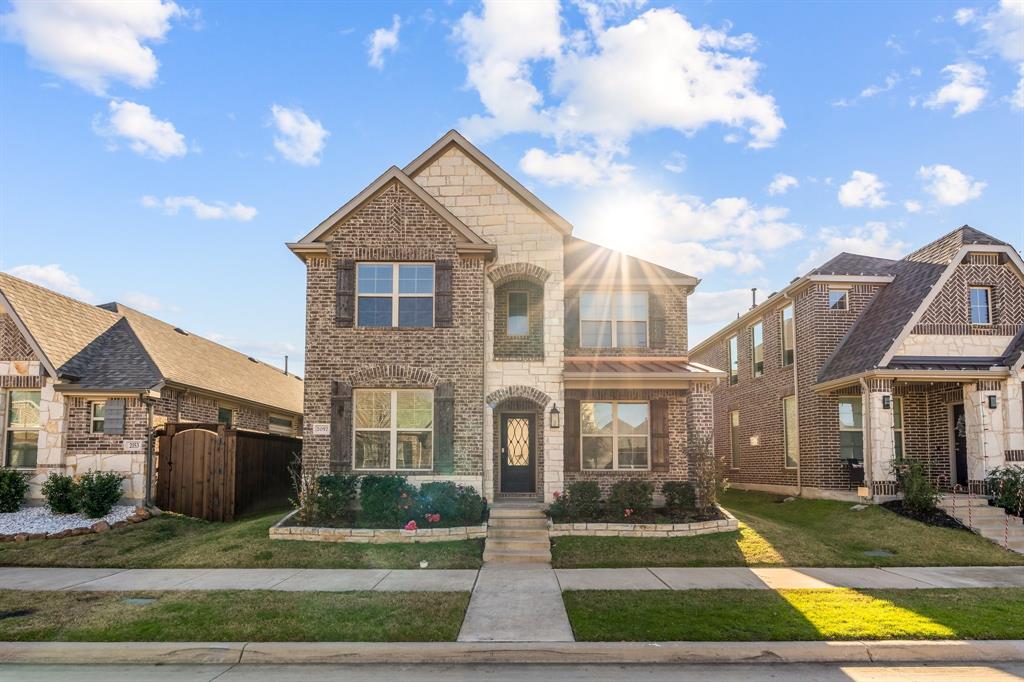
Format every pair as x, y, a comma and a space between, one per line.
42, 520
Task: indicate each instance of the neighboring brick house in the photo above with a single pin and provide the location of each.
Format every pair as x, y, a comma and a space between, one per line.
82, 386
455, 330
866, 361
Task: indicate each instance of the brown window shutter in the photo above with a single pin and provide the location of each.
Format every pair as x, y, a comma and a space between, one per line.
443, 293
572, 435
113, 419
345, 294
341, 426
656, 311
444, 429
659, 435
572, 321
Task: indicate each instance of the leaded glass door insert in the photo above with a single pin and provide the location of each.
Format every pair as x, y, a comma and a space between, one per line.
518, 465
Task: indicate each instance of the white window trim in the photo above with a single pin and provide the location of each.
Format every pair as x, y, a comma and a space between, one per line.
970, 306
785, 433
394, 295
782, 334
392, 429
508, 311
846, 298
734, 454
234, 416
280, 429
614, 318
753, 362
93, 419
848, 429
615, 435
734, 377
7, 430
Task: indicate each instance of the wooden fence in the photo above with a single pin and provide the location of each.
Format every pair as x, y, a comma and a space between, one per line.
215, 473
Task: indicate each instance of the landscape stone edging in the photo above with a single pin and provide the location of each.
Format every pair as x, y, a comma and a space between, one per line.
141, 514
375, 536
646, 530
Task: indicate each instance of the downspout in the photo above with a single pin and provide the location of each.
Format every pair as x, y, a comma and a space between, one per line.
148, 469
796, 396
865, 411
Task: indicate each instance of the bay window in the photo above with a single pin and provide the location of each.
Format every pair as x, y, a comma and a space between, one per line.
395, 295
613, 320
616, 435
394, 428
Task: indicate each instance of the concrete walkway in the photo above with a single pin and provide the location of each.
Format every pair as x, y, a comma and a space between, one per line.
516, 603
491, 583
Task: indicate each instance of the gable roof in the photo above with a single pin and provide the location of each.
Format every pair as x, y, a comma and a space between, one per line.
588, 261
464, 234
456, 139
855, 264
116, 348
945, 247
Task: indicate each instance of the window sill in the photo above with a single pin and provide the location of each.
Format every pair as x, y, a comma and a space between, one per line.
615, 471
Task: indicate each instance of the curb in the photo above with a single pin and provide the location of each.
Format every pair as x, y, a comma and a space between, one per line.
228, 653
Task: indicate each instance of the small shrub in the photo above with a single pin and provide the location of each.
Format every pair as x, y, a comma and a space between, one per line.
437, 499
707, 481
60, 493
334, 497
919, 495
387, 501
1006, 485
631, 499
307, 490
97, 492
470, 507
13, 486
680, 496
558, 510
584, 500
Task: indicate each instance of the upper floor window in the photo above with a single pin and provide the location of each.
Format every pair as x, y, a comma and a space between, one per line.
616, 435
734, 439
395, 295
613, 320
757, 348
518, 313
838, 299
734, 359
788, 336
22, 426
394, 428
981, 305
97, 412
851, 429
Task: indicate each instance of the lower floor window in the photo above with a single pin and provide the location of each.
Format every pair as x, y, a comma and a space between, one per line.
851, 429
393, 428
616, 435
280, 425
22, 437
897, 428
790, 431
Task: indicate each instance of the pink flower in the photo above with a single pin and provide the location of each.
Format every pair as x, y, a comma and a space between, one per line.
557, 494
410, 526
432, 518
628, 512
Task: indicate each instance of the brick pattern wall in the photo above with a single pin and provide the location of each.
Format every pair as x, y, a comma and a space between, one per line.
673, 302
13, 346
949, 312
522, 347
395, 225
678, 423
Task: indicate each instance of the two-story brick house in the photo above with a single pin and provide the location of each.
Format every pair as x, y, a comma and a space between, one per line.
456, 330
865, 362
82, 387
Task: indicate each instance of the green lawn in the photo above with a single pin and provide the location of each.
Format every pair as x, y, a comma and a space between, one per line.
171, 541
764, 615
798, 533
233, 616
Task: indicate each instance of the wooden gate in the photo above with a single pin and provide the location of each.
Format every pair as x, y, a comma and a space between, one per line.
211, 472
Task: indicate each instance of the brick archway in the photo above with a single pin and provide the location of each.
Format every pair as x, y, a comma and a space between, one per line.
393, 376
498, 396
510, 272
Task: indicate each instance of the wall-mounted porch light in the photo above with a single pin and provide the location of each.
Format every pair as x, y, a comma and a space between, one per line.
556, 417
886, 402
992, 402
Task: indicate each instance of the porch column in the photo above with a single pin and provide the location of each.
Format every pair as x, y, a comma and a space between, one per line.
986, 428
1013, 415
488, 479
881, 450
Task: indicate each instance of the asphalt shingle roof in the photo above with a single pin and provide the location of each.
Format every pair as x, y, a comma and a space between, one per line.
855, 264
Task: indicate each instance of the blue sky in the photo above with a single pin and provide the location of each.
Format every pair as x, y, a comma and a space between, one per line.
161, 154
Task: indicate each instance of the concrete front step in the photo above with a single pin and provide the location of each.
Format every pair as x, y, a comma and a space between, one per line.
518, 545
507, 523
960, 501
516, 556
517, 512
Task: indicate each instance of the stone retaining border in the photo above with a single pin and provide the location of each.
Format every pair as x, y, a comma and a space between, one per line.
647, 530
374, 536
141, 514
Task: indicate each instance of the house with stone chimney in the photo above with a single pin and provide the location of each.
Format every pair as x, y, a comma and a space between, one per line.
864, 363
457, 330
83, 387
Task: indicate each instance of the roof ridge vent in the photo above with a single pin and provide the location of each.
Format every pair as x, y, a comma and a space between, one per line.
181, 331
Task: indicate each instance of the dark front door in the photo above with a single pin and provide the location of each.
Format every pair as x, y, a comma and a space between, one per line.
518, 461
960, 444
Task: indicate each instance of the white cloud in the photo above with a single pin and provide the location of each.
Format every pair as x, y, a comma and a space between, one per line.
140, 301
782, 183
890, 82
300, 139
966, 88
676, 163
1017, 98
656, 71
716, 307
964, 15
949, 186
218, 210
912, 206
873, 239
576, 168
384, 40
1004, 30
145, 133
53, 277
92, 43
862, 189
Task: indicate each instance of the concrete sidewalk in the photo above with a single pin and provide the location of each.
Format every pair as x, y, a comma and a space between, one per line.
516, 603
539, 578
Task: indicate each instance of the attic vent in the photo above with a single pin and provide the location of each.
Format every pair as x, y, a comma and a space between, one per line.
181, 331
252, 359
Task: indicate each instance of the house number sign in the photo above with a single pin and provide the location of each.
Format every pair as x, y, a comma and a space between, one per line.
134, 445
321, 429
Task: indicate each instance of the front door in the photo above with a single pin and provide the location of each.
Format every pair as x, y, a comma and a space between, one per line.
960, 444
518, 463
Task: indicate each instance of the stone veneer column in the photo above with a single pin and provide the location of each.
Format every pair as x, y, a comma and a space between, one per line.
878, 436
986, 428
1013, 413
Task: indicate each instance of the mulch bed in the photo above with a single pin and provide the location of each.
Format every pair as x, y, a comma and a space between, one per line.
935, 517
657, 516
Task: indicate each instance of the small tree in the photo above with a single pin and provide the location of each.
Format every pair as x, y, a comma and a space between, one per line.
919, 495
701, 453
306, 486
